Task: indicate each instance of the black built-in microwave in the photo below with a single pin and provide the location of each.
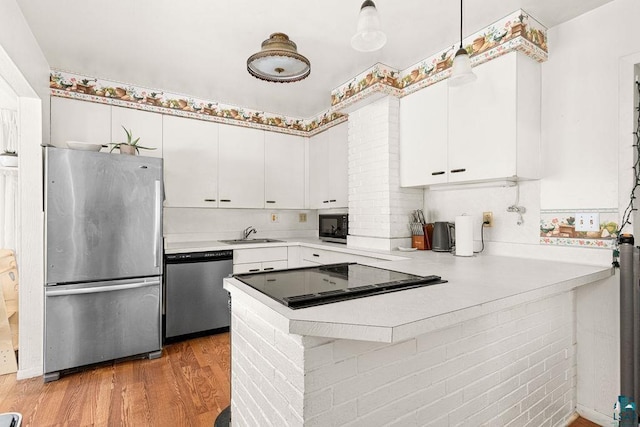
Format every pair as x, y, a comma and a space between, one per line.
333, 227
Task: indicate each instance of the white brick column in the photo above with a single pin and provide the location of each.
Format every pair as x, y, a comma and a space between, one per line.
379, 208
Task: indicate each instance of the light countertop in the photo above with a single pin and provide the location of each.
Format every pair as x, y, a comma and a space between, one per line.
476, 286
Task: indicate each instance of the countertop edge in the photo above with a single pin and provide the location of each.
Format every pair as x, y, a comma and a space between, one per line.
397, 333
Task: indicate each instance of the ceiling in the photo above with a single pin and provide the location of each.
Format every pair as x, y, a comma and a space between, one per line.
199, 47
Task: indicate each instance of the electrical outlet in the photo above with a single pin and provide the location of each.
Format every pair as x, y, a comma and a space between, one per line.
302, 217
587, 221
487, 219
274, 217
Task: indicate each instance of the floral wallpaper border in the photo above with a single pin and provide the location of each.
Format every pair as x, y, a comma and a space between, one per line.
517, 31
71, 85
558, 228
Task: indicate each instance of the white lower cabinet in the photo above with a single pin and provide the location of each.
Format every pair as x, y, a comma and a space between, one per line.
190, 162
241, 167
314, 256
259, 259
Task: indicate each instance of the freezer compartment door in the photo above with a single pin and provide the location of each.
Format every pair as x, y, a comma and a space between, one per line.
103, 216
97, 322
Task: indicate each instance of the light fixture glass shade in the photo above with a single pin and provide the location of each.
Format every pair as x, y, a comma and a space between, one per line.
461, 70
369, 35
278, 61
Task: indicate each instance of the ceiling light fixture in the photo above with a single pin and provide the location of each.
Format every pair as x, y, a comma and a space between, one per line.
461, 70
369, 35
278, 61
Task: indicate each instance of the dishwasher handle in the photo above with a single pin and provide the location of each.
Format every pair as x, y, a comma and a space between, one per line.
99, 289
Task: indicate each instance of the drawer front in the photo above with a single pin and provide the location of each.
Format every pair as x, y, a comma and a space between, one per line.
319, 256
242, 256
274, 265
248, 267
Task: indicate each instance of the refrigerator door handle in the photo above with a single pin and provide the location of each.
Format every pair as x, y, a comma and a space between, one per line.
98, 289
156, 224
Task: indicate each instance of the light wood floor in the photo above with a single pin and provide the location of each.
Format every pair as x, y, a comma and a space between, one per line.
581, 422
187, 386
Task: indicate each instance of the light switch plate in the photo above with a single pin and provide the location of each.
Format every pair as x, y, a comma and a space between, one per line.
274, 217
587, 221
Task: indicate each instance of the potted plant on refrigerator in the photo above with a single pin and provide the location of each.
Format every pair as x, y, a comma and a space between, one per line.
131, 146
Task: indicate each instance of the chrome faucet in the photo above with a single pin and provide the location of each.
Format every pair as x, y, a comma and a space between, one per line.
248, 231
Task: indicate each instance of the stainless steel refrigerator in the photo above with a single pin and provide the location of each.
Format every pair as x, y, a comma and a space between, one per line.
103, 293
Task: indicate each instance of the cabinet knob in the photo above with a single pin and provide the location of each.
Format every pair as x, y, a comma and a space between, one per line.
325, 201
316, 255
268, 268
437, 173
225, 200
253, 270
458, 170
270, 201
209, 200
332, 200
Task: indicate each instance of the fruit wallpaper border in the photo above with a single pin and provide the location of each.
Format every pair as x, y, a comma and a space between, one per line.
517, 31
71, 85
558, 228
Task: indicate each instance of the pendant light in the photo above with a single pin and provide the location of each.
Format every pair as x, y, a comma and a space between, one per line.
369, 35
278, 61
461, 70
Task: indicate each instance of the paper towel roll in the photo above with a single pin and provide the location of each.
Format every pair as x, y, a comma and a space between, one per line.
464, 235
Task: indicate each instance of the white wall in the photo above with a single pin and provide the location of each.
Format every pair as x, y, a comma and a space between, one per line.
191, 224
24, 67
587, 119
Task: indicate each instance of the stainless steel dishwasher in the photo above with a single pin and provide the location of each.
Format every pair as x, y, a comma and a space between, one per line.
195, 302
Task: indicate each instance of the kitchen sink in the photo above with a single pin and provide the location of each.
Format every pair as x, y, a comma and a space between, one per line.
246, 241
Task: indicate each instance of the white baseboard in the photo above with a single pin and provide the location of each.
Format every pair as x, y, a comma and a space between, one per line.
23, 374
595, 416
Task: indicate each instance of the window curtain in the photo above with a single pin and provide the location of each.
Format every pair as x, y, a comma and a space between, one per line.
8, 182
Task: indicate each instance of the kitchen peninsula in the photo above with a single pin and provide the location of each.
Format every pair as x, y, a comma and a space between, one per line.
494, 344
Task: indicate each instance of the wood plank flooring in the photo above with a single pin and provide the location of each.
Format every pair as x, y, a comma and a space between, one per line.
581, 422
187, 386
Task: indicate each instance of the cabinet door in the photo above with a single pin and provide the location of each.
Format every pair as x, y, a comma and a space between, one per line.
284, 171
423, 136
73, 120
339, 166
328, 168
240, 167
143, 124
482, 123
190, 149
319, 171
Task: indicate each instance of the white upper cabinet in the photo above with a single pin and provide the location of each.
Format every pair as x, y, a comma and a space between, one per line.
284, 171
143, 124
423, 136
492, 126
328, 168
73, 120
190, 149
240, 167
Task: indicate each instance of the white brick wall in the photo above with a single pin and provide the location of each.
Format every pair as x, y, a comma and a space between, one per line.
513, 368
378, 207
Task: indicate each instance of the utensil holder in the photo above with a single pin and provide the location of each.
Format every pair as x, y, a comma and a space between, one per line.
418, 242
428, 235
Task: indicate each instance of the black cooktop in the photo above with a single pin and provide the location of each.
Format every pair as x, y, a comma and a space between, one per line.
311, 286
